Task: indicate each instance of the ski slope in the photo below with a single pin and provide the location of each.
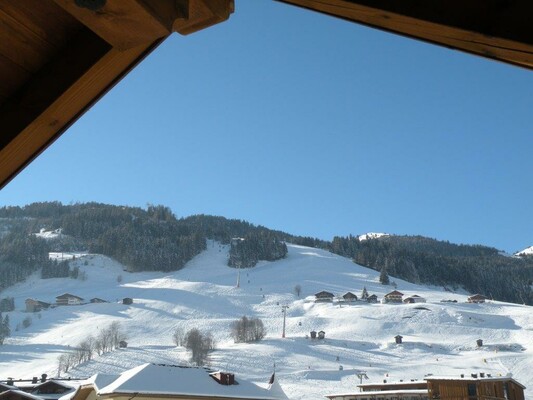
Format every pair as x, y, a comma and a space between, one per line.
439, 337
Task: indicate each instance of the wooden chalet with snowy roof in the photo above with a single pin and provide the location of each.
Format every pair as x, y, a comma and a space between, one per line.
414, 299
33, 305
372, 299
393, 297
324, 296
475, 387
164, 382
477, 298
68, 299
349, 297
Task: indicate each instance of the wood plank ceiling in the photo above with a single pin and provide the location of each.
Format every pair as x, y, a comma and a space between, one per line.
58, 57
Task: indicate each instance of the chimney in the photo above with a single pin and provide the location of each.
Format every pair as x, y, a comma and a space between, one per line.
474, 376
34, 380
384, 381
462, 375
489, 376
224, 378
481, 374
43, 377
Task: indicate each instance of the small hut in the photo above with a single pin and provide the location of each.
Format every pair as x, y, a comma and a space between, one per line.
127, 300
312, 334
122, 344
398, 339
321, 335
479, 342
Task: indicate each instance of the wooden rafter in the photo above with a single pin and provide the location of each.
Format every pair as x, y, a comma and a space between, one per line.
500, 30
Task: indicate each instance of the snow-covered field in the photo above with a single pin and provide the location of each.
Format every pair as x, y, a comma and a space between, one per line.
439, 337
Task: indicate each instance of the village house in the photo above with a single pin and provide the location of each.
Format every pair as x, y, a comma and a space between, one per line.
393, 297
372, 299
477, 298
161, 382
414, 390
349, 297
324, 296
472, 387
475, 387
68, 299
36, 305
414, 299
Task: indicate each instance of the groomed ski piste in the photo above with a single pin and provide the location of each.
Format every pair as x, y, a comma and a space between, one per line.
439, 337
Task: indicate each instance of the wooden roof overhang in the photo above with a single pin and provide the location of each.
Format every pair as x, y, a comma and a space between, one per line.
498, 29
58, 57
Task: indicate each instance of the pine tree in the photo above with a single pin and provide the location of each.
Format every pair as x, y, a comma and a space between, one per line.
364, 294
384, 277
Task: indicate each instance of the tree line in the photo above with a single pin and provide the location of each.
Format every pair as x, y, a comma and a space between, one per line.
417, 259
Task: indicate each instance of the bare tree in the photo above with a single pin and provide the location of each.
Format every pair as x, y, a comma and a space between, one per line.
199, 344
247, 330
298, 290
178, 337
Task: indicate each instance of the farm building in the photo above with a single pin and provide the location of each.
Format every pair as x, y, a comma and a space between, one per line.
349, 297
414, 299
161, 382
98, 300
36, 305
477, 298
127, 300
474, 388
68, 299
372, 299
324, 296
393, 297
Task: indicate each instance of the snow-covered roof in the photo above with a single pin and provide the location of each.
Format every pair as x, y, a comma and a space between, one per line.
471, 378
394, 293
68, 295
191, 381
380, 392
21, 394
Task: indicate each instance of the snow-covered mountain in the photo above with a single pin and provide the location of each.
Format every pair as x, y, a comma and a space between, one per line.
371, 235
526, 252
439, 337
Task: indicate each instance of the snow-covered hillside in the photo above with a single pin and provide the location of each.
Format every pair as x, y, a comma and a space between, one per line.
439, 337
526, 252
371, 235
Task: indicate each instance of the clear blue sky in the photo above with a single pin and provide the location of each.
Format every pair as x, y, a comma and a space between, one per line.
308, 124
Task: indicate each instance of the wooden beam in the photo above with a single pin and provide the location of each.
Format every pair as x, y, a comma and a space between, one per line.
57, 96
125, 24
489, 28
204, 13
